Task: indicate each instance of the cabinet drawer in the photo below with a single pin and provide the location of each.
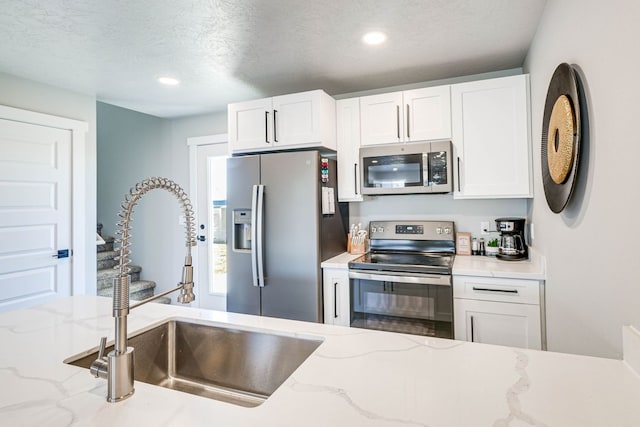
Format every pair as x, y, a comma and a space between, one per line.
497, 289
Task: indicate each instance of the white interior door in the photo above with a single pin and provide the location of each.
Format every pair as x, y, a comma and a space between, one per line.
35, 214
208, 188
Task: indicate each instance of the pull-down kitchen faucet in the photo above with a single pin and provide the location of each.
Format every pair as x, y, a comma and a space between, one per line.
117, 367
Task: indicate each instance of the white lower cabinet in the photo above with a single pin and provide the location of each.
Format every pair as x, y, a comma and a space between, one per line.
335, 283
499, 311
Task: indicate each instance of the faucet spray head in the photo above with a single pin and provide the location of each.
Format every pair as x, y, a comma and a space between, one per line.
186, 292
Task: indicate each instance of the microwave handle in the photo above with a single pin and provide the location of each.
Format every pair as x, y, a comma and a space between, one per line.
426, 170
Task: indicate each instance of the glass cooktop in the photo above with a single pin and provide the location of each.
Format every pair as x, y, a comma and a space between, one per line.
437, 263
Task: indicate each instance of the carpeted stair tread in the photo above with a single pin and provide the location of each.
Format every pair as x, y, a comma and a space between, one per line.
139, 287
162, 300
106, 276
107, 245
106, 259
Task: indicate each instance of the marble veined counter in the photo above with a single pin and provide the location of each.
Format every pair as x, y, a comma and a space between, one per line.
490, 266
355, 378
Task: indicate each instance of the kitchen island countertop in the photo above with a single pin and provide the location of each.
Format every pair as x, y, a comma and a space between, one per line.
356, 377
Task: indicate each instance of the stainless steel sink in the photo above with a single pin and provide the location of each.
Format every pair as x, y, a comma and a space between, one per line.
232, 365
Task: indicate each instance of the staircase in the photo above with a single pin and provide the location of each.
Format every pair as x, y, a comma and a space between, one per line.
138, 290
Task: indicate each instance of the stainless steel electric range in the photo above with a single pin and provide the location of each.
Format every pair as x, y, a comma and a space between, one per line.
404, 283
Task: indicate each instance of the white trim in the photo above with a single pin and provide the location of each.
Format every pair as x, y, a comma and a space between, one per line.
219, 138
25, 116
78, 184
193, 143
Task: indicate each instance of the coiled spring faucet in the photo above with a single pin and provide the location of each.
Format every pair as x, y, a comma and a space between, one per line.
117, 367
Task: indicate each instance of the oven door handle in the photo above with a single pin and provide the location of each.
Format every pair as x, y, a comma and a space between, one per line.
423, 279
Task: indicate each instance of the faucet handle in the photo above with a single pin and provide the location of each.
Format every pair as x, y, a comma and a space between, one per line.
99, 368
103, 345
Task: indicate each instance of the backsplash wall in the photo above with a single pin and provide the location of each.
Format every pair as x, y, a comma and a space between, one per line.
467, 214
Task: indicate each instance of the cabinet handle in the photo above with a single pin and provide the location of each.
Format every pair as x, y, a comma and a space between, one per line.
506, 291
355, 177
458, 174
398, 120
384, 286
266, 127
392, 290
335, 300
275, 126
472, 339
408, 132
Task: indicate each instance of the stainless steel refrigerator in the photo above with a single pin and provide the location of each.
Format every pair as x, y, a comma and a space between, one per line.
277, 234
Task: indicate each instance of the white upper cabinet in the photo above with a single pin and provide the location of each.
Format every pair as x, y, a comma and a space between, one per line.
381, 119
412, 115
427, 113
348, 140
299, 120
250, 125
492, 138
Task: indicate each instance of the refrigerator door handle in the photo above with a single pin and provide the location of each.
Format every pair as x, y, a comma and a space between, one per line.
254, 232
259, 225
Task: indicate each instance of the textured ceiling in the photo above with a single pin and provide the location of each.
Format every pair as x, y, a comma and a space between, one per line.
232, 50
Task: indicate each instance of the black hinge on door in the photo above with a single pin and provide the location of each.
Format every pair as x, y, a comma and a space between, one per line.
62, 253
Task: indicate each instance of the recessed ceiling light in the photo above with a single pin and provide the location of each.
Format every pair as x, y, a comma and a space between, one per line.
170, 81
374, 37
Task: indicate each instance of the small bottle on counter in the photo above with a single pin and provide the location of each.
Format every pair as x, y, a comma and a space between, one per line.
482, 249
475, 248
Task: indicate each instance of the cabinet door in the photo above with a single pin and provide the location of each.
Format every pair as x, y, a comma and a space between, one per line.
427, 113
336, 296
348, 140
297, 118
250, 125
491, 137
381, 119
515, 325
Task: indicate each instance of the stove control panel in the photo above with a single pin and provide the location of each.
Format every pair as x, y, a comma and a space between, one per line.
409, 229
412, 230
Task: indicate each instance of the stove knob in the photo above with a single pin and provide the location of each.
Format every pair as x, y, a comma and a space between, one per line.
380, 229
373, 230
439, 230
447, 230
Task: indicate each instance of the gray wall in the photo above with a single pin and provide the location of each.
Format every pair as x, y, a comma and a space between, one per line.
131, 147
29, 95
467, 214
592, 247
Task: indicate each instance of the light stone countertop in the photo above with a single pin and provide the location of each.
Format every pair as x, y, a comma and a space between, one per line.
340, 261
490, 266
467, 265
355, 378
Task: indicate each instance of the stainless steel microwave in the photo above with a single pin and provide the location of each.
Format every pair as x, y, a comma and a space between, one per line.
422, 167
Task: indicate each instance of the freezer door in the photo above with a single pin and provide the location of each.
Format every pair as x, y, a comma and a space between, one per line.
293, 286
242, 174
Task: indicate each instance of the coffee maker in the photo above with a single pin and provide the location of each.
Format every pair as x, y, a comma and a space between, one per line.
512, 243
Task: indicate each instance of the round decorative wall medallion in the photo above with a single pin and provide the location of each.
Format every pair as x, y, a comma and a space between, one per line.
560, 137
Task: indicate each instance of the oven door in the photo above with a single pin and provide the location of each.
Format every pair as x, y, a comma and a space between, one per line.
419, 305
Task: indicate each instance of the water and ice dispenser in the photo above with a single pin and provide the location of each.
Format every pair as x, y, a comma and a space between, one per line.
242, 230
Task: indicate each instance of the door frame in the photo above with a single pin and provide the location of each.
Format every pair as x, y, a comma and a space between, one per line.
78, 131
193, 143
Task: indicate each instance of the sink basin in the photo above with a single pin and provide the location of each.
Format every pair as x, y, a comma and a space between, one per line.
223, 363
